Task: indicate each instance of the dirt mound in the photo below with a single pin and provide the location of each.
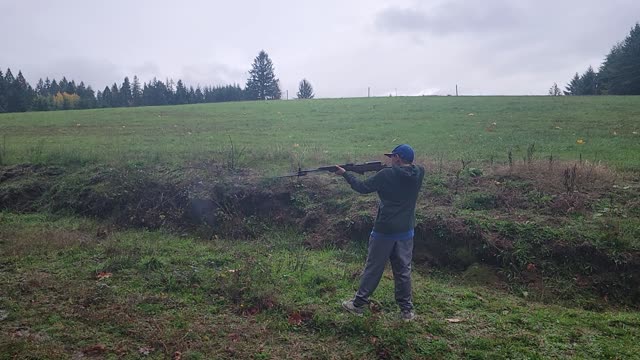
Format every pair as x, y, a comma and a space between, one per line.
22, 186
502, 219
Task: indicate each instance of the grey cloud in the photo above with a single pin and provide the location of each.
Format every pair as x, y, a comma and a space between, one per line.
96, 73
342, 47
146, 70
451, 17
213, 74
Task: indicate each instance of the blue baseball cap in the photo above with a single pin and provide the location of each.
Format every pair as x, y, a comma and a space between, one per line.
404, 151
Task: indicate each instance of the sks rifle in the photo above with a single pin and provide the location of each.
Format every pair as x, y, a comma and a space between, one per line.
357, 168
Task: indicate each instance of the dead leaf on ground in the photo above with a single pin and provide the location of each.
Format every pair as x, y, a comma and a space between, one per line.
375, 307
103, 275
295, 318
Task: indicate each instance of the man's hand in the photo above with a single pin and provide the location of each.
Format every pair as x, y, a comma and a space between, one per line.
339, 170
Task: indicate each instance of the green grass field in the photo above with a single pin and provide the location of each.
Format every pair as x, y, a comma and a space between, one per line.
99, 259
67, 293
284, 133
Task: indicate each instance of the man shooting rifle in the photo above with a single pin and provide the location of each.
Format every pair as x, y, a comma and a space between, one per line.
392, 235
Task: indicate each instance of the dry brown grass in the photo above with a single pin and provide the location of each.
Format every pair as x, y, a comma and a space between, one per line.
25, 242
558, 177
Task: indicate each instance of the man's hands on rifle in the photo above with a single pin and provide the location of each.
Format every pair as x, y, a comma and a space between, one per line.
339, 170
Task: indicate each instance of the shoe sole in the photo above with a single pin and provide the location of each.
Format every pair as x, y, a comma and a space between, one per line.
351, 311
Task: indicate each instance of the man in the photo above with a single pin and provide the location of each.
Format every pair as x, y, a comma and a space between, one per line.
392, 235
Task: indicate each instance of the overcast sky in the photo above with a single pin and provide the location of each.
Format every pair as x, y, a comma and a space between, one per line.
341, 46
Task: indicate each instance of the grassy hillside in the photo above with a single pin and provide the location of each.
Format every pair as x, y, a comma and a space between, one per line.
286, 133
153, 232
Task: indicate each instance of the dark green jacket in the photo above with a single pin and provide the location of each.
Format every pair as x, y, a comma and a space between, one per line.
398, 189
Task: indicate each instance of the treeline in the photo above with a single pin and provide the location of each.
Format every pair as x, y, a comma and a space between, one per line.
619, 74
169, 92
17, 95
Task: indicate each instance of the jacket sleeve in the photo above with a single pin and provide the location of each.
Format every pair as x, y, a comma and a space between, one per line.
371, 184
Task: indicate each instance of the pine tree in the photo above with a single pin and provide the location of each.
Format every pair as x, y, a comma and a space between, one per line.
99, 98
90, 98
575, 86
107, 98
40, 90
71, 87
87, 97
199, 96
20, 94
169, 91
115, 96
126, 98
3, 94
305, 90
262, 83
54, 88
589, 82
136, 92
63, 85
47, 87
620, 72
8, 77
182, 95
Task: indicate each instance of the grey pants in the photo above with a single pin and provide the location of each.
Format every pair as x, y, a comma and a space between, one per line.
400, 253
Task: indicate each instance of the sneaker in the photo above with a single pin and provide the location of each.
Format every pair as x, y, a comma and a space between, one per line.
407, 315
350, 307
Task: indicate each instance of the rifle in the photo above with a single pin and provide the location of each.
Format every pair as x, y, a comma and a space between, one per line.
357, 168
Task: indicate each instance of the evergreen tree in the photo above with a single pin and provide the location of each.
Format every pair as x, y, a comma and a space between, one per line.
40, 89
192, 95
8, 77
262, 83
620, 72
115, 96
156, 93
3, 94
54, 88
20, 94
71, 87
589, 82
63, 84
169, 91
47, 87
87, 97
575, 86
136, 92
199, 96
305, 90
182, 95
126, 97
99, 99
107, 98
43, 103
